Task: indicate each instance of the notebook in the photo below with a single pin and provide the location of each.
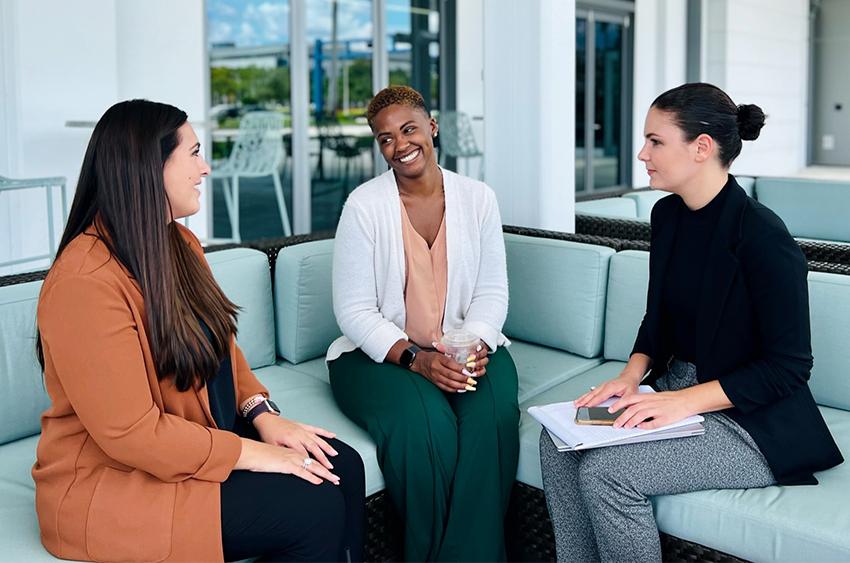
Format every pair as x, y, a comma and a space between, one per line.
559, 421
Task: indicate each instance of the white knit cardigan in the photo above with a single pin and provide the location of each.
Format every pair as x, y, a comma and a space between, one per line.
369, 266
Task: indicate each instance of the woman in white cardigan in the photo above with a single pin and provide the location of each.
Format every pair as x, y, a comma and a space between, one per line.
419, 251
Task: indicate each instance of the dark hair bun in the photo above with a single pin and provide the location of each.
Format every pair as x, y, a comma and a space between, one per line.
750, 121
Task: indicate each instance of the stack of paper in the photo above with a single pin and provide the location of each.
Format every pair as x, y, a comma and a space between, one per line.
559, 421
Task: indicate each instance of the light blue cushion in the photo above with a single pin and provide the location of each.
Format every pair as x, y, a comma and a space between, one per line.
829, 304
557, 293
306, 325
810, 208
625, 208
22, 394
645, 201
528, 470
243, 275
307, 399
748, 183
540, 368
802, 523
628, 279
19, 534
316, 368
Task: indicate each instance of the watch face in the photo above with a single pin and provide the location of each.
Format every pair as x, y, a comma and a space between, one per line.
407, 357
273, 406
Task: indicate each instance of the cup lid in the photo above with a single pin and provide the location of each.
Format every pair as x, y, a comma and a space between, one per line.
459, 337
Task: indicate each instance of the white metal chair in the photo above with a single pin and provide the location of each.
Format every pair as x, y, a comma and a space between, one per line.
457, 139
258, 151
49, 184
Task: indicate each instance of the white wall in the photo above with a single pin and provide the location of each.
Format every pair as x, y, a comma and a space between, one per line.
529, 110
660, 47
71, 61
757, 50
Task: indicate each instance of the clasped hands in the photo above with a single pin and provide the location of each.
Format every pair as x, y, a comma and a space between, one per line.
447, 374
642, 410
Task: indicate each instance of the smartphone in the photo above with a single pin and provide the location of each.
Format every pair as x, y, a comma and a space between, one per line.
596, 416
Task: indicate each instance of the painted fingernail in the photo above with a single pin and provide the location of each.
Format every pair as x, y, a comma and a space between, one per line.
470, 388
471, 381
433, 344
466, 372
470, 365
479, 348
471, 358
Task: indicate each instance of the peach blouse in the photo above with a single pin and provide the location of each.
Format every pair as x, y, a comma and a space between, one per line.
425, 283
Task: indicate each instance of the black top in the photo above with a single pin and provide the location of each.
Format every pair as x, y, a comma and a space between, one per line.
752, 330
221, 392
684, 276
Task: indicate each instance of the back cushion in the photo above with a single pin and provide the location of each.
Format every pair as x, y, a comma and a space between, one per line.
747, 183
22, 394
628, 280
306, 324
645, 201
829, 302
243, 275
557, 293
609, 207
810, 208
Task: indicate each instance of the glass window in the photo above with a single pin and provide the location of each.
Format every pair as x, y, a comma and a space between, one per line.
340, 36
249, 73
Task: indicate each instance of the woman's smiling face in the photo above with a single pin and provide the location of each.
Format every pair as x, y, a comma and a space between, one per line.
405, 136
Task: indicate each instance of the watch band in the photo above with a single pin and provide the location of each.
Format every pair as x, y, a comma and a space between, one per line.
263, 406
250, 404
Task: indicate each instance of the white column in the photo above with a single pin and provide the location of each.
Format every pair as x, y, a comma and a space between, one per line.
529, 115
660, 47
299, 65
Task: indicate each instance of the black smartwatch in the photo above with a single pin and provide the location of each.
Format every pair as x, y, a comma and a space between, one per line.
408, 355
266, 405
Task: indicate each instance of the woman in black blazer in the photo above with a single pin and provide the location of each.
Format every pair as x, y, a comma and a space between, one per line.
726, 334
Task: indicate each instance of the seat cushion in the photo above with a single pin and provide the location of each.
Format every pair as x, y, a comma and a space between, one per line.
243, 275
557, 293
619, 207
803, 523
307, 399
540, 368
22, 394
19, 534
810, 208
528, 471
306, 324
317, 368
628, 280
829, 304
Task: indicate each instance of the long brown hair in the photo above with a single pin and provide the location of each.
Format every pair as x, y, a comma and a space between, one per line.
121, 191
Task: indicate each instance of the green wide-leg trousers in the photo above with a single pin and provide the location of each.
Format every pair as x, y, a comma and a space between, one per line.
449, 459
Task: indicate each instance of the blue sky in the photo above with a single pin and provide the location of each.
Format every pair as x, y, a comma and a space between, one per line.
249, 23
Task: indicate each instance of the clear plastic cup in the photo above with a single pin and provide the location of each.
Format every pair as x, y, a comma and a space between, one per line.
460, 344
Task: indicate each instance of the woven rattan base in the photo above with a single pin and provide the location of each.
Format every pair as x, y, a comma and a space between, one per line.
528, 532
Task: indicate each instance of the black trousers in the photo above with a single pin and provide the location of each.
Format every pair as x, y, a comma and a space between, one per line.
280, 517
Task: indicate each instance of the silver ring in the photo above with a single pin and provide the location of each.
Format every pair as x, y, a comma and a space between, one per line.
307, 463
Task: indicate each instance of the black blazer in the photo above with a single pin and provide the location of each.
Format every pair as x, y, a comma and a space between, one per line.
752, 331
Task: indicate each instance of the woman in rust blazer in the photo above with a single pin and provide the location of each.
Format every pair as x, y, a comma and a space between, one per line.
160, 444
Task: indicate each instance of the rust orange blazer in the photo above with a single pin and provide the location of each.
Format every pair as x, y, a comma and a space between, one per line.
128, 468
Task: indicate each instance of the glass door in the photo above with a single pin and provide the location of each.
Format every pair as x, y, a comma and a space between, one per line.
603, 100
